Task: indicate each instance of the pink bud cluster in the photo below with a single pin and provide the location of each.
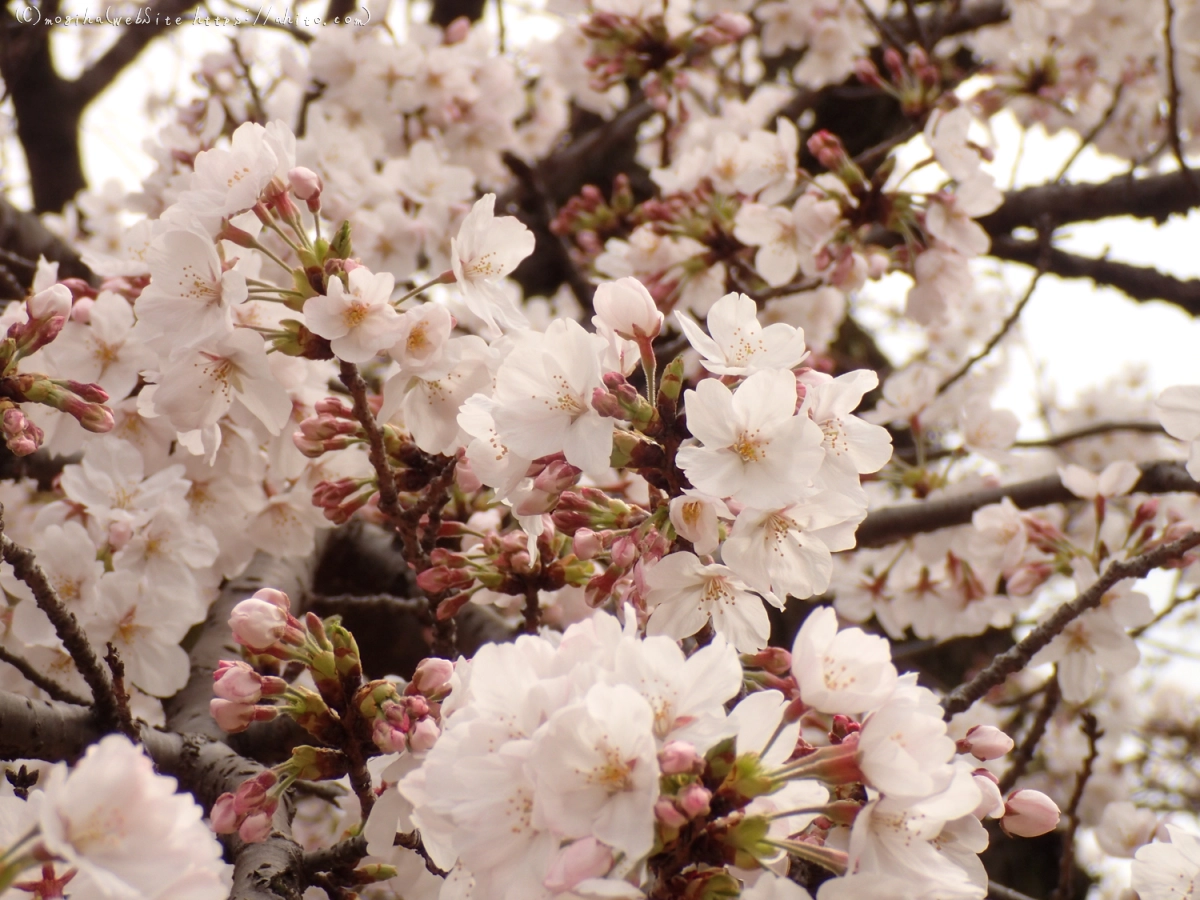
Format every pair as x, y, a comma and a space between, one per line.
410, 720
332, 428
249, 809
238, 690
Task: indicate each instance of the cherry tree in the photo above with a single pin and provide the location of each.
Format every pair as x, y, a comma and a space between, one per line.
479, 466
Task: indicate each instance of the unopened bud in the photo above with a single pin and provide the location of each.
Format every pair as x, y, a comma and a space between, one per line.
694, 800
985, 742
991, 803
1029, 814
668, 813
305, 183
678, 757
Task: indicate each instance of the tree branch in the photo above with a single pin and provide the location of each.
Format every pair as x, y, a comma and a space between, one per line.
1139, 282
1015, 659
104, 700
1037, 730
133, 40
1155, 197
24, 235
895, 523
53, 689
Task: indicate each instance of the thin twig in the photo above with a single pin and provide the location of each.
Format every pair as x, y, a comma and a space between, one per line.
1015, 659
1023, 755
117, 668
1088, 431
533, 609
1173, 134
1007, 325
1000, 892
411, 840
389, 498
1176, 602
260, 114
1066, 872
53, 689
882, 28
1093, 132
66, 626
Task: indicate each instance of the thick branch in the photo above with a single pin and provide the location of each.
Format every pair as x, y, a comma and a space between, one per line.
1011, 661
1156, 197
23, 235
53, 689
133, 40
1139, 282
895, 523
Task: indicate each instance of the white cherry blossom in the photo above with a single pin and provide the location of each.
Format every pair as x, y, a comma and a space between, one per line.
358, 320
752, 447
739, 344
684, 594
485, 250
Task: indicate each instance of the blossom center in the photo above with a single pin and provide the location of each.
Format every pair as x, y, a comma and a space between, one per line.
749, 446
355, 314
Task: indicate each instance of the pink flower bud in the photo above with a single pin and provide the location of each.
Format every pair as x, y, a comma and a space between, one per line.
258, 623
388, 737
438, 579
775, 660
694, 800
256, 828
53, 302
1028, 579
577, 862
457, 31
624, 552
534, 503
433, 676
119, 534
985, 742
466, 479
224, 815
231, 716
666, 812
678, 757
237, 682
557, 477
1028, 814
423, 735
586, 544
81, 312
304, 182
627, 308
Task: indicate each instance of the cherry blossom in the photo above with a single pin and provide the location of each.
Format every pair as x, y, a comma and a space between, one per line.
753, 447
841, 671
739, 345
684, 594
126, 830
358, 320
190, 291
485, 250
